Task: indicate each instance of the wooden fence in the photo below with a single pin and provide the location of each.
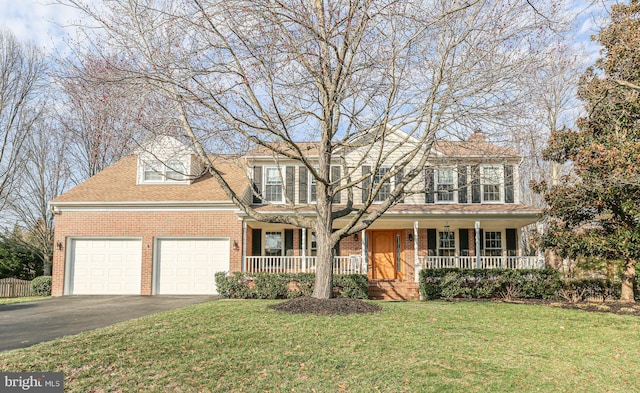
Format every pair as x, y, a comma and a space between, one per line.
14, 287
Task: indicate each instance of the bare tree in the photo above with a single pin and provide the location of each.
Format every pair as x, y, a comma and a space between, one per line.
45, 176
339, 75
101, 116
21, 69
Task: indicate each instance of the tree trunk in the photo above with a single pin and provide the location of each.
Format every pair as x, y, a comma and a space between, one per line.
46, 264
323, 288
628, 281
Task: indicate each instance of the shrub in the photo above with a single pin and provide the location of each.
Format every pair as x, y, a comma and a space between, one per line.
575, 290
41, 286
270, 286
354, 286
233, 286
284, 285
490, 283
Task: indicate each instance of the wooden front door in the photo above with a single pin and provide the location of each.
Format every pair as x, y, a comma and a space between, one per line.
384, 245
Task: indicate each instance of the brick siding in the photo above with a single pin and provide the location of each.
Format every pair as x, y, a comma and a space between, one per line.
147, 226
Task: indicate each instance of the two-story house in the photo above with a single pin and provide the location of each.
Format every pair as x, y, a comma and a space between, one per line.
154, 224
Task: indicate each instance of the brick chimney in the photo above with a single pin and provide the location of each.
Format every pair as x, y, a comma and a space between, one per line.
477, 136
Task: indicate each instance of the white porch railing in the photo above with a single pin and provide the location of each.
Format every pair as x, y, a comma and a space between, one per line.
486, 262
351, 264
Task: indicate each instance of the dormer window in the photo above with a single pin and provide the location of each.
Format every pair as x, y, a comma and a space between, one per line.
159, 172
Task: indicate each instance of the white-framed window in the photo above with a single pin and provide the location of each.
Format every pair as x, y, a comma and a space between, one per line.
387, 186
312, 188
492, 243
492, 183
445, 185
446, 244
158, 172
273, 185
273, 243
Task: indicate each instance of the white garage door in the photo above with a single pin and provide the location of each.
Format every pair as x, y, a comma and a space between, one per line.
105, 267
188, 266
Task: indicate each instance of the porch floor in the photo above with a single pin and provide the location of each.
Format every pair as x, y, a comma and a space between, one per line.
386, 289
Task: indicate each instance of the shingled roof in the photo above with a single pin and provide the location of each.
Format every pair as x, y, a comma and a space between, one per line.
118, 184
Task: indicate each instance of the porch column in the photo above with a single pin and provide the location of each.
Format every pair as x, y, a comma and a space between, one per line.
478, 264
363, 252
244, 246
417, 266
304, 249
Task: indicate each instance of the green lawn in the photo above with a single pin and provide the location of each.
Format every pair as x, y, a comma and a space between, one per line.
241, 346
11, 300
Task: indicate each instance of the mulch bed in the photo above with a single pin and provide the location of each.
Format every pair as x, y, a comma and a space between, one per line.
613, 307
337, 306
344, 306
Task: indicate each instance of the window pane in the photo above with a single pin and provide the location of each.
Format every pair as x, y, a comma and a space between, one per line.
273, 176
445, 186
312, 189
273, 243
385, 190
273, 186
446, 243
153, 171
175, 170
493, 243
491, 180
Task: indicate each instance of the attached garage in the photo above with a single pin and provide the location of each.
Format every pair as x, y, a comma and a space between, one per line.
188, 266
104, 267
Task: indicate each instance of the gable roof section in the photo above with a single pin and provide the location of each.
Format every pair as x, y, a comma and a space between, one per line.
118, 184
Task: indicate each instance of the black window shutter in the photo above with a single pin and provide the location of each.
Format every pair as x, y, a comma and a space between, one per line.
290, 179
336, 248
300, 238
256, 242
464, 241
512, 243
303, 191
508, 184
288, 240
335, 177
399, 177
366, 183
429, 182
462, 184
432, 242
475, 184
482, 239
257, 184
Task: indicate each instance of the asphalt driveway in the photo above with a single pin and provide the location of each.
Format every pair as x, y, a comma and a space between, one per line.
25, 324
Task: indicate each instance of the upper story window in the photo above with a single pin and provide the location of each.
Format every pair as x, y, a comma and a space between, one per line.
273, 185
312, 188
445, 185
492, 183
385, 189
159, 172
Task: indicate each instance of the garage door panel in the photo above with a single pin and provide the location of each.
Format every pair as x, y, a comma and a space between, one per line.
100, 266
188, 266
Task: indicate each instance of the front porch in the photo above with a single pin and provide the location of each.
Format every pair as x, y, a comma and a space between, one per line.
393, 252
